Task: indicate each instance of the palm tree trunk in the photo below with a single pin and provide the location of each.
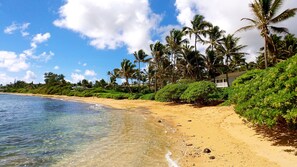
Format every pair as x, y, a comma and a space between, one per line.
173, 69
138, 76
156, 84
227, 78
265, 52
197, 63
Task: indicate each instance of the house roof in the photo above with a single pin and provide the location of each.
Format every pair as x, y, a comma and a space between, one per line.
231, 75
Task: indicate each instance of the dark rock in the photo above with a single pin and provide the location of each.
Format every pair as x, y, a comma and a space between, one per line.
179, 125
189, 144
189, 120
212, 157
207, 150
194, 164
160, 121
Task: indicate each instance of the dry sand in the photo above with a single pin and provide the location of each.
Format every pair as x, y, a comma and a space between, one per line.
232, 141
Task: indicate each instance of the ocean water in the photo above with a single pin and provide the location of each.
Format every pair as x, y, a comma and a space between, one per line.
38, 131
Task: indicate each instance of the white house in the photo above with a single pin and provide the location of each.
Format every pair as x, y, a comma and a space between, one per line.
221, 81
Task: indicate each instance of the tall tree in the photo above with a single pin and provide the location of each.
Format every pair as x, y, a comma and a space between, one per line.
127, 71
174, 43
140, 57
199, 27
158, 52
265, 17
231, 50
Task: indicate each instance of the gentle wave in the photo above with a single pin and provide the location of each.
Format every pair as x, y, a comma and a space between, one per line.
171, 162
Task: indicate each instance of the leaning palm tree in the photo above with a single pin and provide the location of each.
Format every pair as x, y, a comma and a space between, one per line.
214, 36
127, 71
265, 17
140, 57
230, 49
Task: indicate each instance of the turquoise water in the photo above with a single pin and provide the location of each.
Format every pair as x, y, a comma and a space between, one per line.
46, 132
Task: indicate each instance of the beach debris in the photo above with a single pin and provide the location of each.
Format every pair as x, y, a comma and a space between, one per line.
160, 121
212, 157
207, 150
194, 164
189, 145
189, 120
179, 125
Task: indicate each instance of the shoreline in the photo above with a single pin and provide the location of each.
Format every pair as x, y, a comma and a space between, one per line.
232, 141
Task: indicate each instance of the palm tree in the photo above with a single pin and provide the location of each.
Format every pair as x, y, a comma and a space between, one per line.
140, 57
265, 12
127, 71
214, 36
113, 75
158, 52
212, 63
199, 27
230, 49
174, 42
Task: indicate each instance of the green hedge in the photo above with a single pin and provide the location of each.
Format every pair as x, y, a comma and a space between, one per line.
150, 96
171, 92
199, 92
268, 96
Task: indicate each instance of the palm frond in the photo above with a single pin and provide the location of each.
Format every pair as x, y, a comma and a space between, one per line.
285, 15
251, 20
279, 29
245, 28
275, 7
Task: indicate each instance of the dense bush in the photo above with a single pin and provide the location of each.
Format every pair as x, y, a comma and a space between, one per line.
268, 96
150, 96
199, 92
171, 92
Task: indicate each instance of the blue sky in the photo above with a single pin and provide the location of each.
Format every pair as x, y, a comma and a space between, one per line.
86, 38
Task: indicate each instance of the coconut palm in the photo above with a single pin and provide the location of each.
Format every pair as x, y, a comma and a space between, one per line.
199, 28
231, 50
265, 17
127, 71
174, 43
158, 54
140, 57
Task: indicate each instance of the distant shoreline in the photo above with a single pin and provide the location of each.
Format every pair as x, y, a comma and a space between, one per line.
230, 140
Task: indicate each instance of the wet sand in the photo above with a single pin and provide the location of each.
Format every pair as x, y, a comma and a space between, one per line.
232, 141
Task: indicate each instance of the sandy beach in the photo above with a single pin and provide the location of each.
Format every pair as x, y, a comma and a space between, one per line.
231, 140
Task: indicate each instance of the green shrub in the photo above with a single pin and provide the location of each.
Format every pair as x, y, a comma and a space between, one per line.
150, 96
171, 93
268, 96
199, 92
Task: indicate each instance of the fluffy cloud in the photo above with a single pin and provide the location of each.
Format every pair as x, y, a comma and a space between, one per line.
15, 27
129, 22
30, 76
90, 73
77, 77
12, 62
40, 38
5, 79
227, 14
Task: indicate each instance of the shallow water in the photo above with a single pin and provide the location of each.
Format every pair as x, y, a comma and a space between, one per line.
46, 132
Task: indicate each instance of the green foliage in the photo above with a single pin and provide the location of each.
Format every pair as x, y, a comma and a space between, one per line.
171, 92
268, 96
150, 96
199, 92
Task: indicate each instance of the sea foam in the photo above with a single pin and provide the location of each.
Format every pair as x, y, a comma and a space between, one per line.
171, 162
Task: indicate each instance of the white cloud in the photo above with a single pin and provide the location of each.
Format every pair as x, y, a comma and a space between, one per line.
30, 76
12, 62
227, 15
90, 73
77, 77
85, 64
129, 22
77, 71
15, 27
40, 38
5, 79
56, 68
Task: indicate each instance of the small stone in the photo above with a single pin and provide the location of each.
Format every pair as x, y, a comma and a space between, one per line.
207, 150
194, 164
189, 145
160, 121
189, 120
212, 157
179, 125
